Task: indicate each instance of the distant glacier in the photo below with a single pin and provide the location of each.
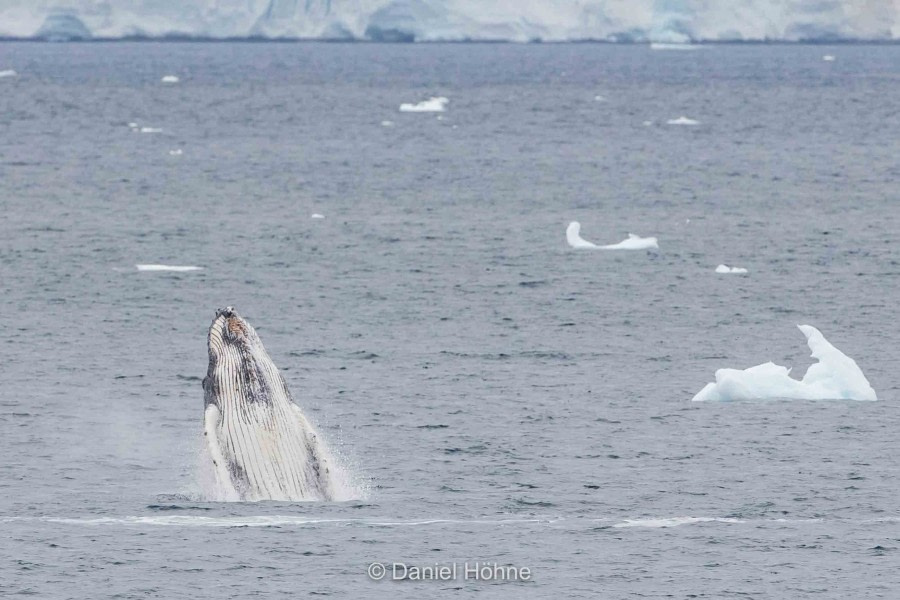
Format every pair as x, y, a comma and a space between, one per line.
665, 21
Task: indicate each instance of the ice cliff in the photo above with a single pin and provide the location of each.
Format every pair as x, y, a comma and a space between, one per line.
665, 21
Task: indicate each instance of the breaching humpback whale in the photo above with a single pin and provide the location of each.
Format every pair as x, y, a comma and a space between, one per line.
261, 444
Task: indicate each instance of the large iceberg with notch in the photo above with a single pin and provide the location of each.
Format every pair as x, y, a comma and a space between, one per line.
835, 376
669, 22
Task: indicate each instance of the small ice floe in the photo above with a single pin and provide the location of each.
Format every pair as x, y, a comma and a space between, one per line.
664, 46
170, 79
387, 123
175, 268
648, 123
599, 98
828, 58
133, 125
8, 73
317, 216
434, 104
633, 242
835, 376
682, 120
150, 130
176, 152
727, 269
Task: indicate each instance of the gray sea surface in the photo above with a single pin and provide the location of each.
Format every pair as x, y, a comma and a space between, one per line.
499, 396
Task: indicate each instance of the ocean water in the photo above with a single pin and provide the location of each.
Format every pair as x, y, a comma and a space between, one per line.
501, 397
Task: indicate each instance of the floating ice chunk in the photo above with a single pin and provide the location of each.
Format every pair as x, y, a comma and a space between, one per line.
828, 58
633, 242
434, 104
175, 268
387, 123
573, 236
599, 98
133, 125
727, 269
317, 216
150, 130
648, 123
8, 73
176, 152
664, 46
835, 376
170, 79
682, 120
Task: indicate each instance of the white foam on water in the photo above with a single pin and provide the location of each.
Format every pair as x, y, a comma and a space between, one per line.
835, 376
262, 521
316, 216
175, 268
433, 104
150, 130
828, 58
8, 73
176, 152
727, 269
674, 521
632, 242
170, 79
682, 120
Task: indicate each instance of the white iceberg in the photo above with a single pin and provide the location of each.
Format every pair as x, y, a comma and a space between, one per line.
682, 120
835, 376
387, 123
170, 79
8, 73
317, 216
176, 152
633, 242
175, 268
828, 58
150, 130
434, 104
727, 269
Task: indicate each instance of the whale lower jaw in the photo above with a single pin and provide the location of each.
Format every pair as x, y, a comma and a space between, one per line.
258, 459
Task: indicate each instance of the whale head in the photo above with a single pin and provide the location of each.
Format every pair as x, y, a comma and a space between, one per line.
229, 329
238, 361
